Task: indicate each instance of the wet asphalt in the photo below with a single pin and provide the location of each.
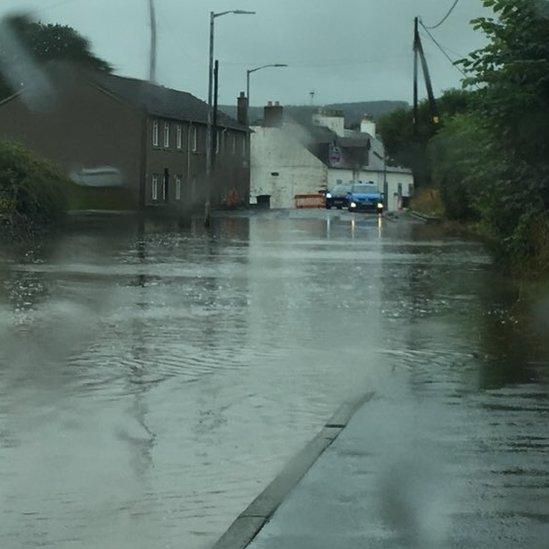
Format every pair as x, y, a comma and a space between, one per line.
155, 376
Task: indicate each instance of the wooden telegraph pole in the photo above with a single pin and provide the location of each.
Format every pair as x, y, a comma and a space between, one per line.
420, 54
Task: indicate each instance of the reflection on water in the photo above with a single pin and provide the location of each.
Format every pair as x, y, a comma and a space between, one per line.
154, 377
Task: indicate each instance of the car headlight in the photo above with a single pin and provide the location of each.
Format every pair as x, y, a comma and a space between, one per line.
353, 204
328, 195
380, 204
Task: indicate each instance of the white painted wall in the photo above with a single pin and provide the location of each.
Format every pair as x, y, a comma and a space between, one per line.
281, 150
368, 126
334, 123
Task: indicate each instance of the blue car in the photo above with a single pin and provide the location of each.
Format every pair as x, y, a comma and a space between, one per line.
365, 197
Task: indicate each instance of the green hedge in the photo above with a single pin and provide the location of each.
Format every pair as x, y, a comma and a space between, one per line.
31, 188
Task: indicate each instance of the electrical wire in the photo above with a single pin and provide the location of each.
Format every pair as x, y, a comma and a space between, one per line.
439, 46
443, 20
332, 63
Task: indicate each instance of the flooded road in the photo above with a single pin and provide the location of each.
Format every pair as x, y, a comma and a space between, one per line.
155, 378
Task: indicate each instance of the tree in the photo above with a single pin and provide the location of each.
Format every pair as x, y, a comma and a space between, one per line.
408, 149
23, 38
462, 158
512, 72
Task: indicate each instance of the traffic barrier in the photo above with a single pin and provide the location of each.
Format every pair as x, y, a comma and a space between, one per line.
303, 201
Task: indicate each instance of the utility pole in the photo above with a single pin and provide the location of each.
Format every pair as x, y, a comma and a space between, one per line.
416, 36
153, 31
419, 52
213, 17
207, 204
215, 112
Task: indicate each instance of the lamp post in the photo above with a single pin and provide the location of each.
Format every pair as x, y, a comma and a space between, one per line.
152, 53
213, 17
251, 71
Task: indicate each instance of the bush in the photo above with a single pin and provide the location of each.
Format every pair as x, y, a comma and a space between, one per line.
30, 187
427, 201
459, 158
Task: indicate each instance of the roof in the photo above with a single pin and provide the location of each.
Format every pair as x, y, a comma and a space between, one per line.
160, 101
356, 141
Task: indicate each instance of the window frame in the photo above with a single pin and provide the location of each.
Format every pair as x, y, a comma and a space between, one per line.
156, 133
178, 187
179, 137
194, 132
166, 135
154, 187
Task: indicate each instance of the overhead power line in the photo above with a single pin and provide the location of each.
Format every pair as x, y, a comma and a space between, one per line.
443, 20
439, 46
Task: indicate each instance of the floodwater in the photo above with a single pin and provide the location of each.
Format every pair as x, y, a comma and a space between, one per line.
154, 378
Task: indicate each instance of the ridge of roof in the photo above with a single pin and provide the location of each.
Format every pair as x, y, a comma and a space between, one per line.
160, 100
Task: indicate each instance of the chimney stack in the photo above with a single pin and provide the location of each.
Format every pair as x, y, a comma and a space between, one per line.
242, 111
367, 125
273, 115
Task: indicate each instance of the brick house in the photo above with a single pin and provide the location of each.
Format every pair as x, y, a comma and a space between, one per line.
130, 143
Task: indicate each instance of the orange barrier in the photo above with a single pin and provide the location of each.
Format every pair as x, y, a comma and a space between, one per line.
310, 201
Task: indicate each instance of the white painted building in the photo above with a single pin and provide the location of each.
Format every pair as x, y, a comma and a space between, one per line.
281, 164
288, 159
399, 181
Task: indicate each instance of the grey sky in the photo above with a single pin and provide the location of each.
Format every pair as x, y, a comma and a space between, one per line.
350, 50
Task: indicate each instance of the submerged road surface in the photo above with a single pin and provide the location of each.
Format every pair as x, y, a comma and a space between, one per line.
155, 378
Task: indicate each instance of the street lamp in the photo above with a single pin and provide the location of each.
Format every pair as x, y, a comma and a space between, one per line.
209, 137
213, 17
249, 72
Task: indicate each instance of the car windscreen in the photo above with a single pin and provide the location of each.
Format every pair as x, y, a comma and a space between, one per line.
365, 189
340, 189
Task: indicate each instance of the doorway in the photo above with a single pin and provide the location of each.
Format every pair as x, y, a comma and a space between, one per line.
166, 186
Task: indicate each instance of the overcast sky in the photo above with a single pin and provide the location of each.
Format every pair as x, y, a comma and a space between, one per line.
349, 50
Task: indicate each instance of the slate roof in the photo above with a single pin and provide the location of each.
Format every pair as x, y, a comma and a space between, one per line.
160, 101
354, 142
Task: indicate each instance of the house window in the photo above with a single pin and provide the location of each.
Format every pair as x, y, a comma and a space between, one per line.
234, 144
167, 135
244, 139
178, 180
218, 141
154, 190
195, 140
155, 133
179, 137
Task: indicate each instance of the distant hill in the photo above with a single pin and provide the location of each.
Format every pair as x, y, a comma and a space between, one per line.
353, 111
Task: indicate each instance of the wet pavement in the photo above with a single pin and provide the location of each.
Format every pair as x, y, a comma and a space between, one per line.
154, 378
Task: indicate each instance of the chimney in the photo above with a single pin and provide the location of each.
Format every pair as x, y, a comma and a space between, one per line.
367, 125
242, 110
273, 115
